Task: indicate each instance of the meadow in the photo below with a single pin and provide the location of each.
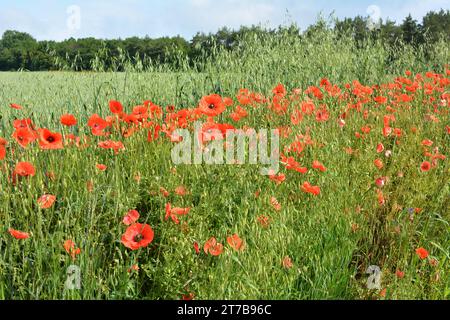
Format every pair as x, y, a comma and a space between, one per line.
364, 179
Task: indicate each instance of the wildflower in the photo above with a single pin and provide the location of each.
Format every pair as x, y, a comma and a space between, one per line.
68, 120
46, 201
109, 144
164, 192
211, 105
196, 248
15, 106
71, 249
180, 191
236, 242
425, 166
279, 90
134, 267
97, 125
18, 234
275, 204
23, 123
422, 253
378, 163
50, 140
319, 166
308, 188
24, 136
287, 262
101, 167
380, 182
174, 212
3, 144
137, 236
24, 169
188, 296
131, 217
213, 247
278, 179
380, 148
400, 274
264, 221
115, 107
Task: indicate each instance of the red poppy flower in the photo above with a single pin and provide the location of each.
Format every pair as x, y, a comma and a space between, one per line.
380, 148
380, 182
164, 192
425, 166
3, 144
188, 296
174, 212
140, 112
400, 274
115, 107
264, 221
71, 249
236, 242
131, 217
18, 234
422, 253
278, 179
137, 236
15, 106
24, 169
322, 115
97, 125
213, 247
291, 164
181, 191
23, 123
196, 248
211, 105
279, 90
275, 204
319, 166
68, 120
50, 140
308, 188
46, 201
287, 263
24, 136
378, 163
153, 134
134, 267
101, 167
115, 145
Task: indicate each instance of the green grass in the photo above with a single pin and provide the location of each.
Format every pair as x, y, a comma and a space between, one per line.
329, 258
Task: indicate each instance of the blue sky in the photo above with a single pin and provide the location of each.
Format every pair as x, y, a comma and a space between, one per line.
47, 19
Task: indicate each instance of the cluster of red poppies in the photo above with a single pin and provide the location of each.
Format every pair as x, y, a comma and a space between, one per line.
291, 109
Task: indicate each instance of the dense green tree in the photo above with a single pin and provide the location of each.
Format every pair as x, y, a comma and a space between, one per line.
19, 50
411, 31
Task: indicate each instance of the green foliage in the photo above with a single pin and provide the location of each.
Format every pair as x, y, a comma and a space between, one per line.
19, 51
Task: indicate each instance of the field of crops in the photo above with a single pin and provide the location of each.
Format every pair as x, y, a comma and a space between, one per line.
92, 205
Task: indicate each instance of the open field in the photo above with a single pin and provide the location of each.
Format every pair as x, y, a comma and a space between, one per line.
376, 153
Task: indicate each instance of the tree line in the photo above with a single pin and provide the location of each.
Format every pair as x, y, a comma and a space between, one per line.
20, 51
